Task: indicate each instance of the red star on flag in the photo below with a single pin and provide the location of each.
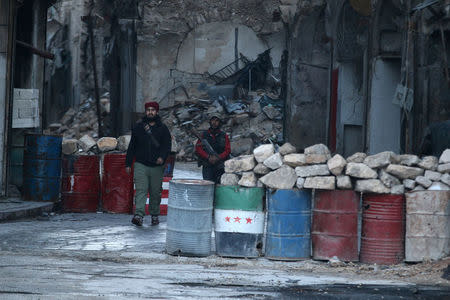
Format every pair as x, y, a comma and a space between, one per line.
237, 219
227, 219
249, 220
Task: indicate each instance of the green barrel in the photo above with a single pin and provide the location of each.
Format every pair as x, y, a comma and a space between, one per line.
238, 221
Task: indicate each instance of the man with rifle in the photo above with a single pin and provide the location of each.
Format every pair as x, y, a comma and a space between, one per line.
150, 145
212, 149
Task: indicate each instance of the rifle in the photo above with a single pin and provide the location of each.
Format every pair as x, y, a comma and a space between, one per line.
204, 142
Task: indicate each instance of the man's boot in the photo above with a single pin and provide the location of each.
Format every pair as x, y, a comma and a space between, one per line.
137, 220
155, 220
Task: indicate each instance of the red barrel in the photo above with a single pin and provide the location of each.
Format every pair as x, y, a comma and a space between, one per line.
164, 198
117, 185
80, 185
335, 225
383, 229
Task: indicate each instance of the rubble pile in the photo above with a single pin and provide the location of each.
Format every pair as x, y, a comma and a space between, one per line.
76, 123
248, 122
386, 172
86, 145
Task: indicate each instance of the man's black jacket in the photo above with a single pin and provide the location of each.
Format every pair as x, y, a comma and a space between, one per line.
146, 150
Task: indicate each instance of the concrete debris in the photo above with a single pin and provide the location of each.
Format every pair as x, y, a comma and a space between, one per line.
240, 164
398, 189
371, 186
261, 169
316, 158
360, 170
106, 144
445, 157
409, 184
123, 142
433, 176
387, 179
407, 159
344, 182
274, 161
282, 178
404, 172
263, 152
300, 182
379, 160
444, 168
387, 176
248, 179
87, 142
287, 148
336, 164
69, 146
272, 113
423, 181
429, 163
320, 182
358, 157
446, 179
229, 179
317, 149
294, 159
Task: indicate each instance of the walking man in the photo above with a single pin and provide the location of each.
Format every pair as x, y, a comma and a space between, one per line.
150, 145
213, 161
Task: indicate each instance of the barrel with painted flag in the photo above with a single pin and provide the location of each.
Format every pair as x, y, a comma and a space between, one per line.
239, 221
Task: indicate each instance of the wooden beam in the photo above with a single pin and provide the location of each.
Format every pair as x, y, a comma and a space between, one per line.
36, 51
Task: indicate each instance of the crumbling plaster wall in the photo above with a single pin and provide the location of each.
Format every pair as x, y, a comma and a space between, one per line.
168, 30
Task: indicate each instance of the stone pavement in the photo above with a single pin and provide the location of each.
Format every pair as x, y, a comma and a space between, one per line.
16, 208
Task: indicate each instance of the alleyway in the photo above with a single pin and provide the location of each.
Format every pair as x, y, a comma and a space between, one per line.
84, 256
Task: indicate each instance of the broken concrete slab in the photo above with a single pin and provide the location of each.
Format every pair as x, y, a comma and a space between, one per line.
371, 186
360, 170
240, 164
336, 164
282, 178
320, 182
314, 170
404, 172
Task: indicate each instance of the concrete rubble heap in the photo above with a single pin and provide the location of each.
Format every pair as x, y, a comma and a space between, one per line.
386, 172
245, 121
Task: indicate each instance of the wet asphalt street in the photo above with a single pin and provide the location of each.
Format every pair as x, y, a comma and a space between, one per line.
103, 256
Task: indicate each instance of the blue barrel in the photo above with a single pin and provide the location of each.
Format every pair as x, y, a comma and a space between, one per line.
42, 167
189, 217
288, 224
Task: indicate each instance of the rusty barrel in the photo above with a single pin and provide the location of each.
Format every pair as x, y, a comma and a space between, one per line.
383, 229
117, 184
80, 186
335, 225
427, 225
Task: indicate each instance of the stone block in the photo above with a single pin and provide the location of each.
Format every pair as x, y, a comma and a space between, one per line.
360, 170
274, 161
282, 178
404, 172
320, 182
240, 164
263, 152
344, 182
336, 164
229, 179
105, 144
371, 186
294, 159
314, 170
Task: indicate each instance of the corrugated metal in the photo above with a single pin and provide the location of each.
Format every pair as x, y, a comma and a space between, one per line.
42, 167
80, 187
427, 225
239, 221
335, 225
288, 224
189, 217
383, 229
117, 185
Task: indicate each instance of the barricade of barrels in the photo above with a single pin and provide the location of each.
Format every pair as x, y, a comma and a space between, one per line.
88, 178
299, 224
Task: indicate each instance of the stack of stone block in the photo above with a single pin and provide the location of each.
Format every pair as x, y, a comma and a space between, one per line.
316, 168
